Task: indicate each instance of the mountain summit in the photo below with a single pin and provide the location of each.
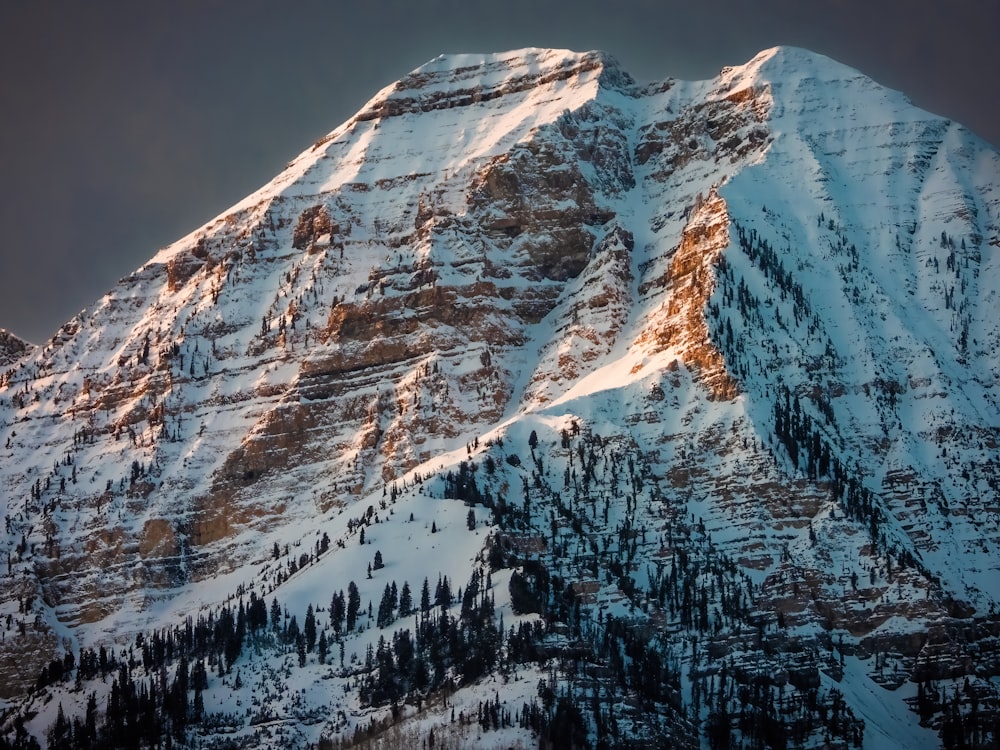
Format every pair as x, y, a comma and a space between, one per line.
684, 394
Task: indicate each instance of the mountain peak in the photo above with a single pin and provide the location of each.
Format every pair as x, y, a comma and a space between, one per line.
464, 79
786, 65
536, 59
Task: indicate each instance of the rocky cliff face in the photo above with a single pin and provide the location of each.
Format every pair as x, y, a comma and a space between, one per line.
12, 348
751, 322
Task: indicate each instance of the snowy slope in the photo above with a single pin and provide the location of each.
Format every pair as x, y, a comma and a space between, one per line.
751, 321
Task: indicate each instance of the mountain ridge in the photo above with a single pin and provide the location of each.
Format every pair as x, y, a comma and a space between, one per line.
530, 244
12, 348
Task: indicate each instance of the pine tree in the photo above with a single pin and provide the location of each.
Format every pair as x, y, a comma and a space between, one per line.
275, 615
60, 735
90, 722
292, 631
337, 609
385, 608
353, 604
199, 675
198, 708
425, 597
323, 647
405, 600
442, 594
310, 629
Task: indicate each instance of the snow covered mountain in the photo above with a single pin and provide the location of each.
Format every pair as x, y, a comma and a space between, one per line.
622, 414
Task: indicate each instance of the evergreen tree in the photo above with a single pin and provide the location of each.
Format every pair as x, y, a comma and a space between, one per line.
405, 600
323, 647
292, 631
256, 614
90, 722
442, 594
275, 615
179, 698
353, 604
385, 608
198, 707
337, 611
60, 735
425, 597
309, 628
300, 647
199, 675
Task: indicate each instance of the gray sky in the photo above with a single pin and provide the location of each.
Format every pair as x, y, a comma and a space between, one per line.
126, 125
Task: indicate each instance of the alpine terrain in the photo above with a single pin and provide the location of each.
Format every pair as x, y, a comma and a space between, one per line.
532, 407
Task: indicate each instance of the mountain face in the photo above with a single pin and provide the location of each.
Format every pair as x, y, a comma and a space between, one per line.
12, 348
684, 394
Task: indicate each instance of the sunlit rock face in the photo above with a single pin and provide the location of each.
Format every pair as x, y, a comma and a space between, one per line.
769, 294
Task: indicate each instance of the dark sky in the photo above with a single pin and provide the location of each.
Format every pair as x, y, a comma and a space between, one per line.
126, 125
